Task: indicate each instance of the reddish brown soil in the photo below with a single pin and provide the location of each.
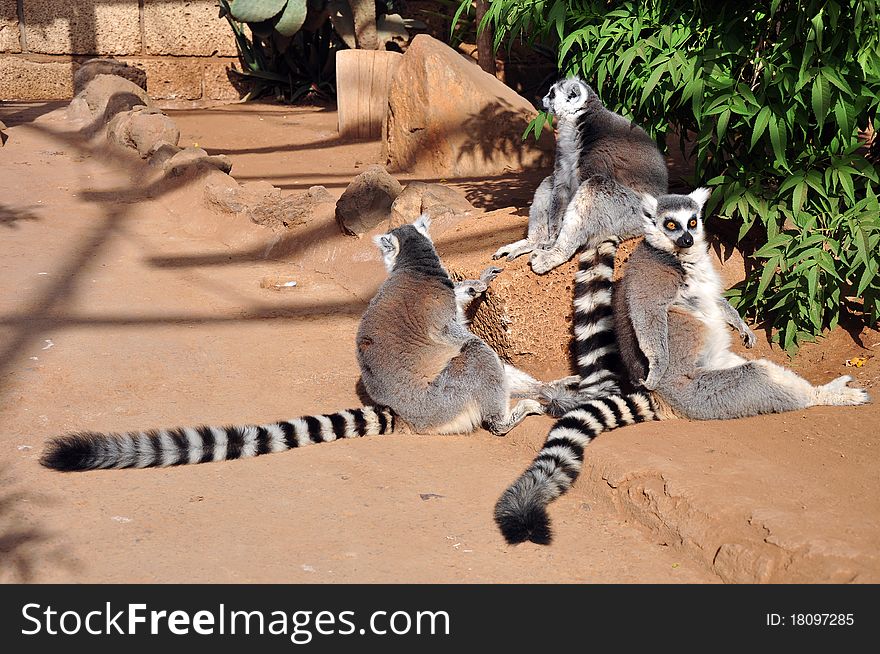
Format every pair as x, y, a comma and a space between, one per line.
124, 307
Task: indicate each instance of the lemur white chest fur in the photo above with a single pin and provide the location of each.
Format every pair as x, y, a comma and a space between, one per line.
566, 172
699, 296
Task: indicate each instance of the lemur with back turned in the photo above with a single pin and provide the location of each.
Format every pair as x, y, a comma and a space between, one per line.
419, 362
603, 164
672, 327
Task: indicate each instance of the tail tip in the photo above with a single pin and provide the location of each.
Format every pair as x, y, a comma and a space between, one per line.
67, 453
532, 525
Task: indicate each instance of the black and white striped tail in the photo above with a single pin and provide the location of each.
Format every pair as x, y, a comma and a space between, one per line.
182, 445
521, 512
595, 344
594, 347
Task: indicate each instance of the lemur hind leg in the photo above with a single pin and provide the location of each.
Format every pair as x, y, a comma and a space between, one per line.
754, 388
477, 381
540, 232
601, 208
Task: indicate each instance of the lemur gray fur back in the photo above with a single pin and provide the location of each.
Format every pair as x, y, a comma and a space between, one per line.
672, 327
603, 163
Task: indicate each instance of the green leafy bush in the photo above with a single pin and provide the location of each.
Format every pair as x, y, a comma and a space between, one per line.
770, 99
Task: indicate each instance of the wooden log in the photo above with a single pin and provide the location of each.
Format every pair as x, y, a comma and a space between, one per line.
363, 78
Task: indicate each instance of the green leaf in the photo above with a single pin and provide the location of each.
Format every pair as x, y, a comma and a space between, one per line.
761, 122
821, 97
652, 82
767, 275
778, 138
721, 125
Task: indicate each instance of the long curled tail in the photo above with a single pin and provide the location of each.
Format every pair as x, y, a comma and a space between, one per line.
182, 445
521, 512
594, 348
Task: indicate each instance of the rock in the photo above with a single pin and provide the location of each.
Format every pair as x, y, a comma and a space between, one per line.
149, 127
161, 153
192, 157
449, 118
367, 201
78, 112
142, 129
437, 200
101, 66
3, 135
264, 204
108, 95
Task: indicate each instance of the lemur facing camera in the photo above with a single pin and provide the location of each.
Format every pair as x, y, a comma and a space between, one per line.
418, 360
672, 333
603, 164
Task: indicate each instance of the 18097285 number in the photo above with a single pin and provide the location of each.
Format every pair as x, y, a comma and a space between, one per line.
811, 619
829, 619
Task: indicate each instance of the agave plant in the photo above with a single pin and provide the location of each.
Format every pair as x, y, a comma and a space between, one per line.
285, 16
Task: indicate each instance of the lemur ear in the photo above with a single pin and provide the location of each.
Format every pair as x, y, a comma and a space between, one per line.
700, 196
387, 244
422, 224
649, 204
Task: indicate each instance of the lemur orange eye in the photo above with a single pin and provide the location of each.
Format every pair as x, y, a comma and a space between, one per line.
671, 226
692, 223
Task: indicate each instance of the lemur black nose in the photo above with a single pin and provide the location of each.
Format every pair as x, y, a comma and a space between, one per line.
685, 241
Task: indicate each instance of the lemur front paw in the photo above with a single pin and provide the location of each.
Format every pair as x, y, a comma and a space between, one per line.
748, 338
513, 250
543, 261
489, 274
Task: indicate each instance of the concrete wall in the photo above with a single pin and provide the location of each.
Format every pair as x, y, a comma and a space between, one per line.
183, 45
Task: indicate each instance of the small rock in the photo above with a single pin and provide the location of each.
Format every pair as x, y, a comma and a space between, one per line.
161, 153
264, 204
108, 95
3, 135
103, 66
194, 157
147, 128
436, 200
430, 496
367, 201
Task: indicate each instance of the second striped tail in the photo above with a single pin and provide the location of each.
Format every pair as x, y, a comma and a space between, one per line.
521, 512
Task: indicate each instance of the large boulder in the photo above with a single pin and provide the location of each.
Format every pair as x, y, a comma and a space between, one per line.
367, 201
449, 118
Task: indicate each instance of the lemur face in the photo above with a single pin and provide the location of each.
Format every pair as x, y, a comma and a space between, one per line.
567, 96
673, 223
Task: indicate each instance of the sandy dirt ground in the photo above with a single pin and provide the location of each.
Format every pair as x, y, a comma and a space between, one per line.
122, 307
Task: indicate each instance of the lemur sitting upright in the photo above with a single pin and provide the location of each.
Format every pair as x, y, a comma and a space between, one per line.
417, 358
672, 332
603, 164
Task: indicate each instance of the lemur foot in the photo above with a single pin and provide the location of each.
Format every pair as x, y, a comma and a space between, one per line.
514, 250
543, 261
748, 338
837, 393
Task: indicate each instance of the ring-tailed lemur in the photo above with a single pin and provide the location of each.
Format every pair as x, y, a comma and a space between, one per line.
603, 164
671, 324
418, 360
